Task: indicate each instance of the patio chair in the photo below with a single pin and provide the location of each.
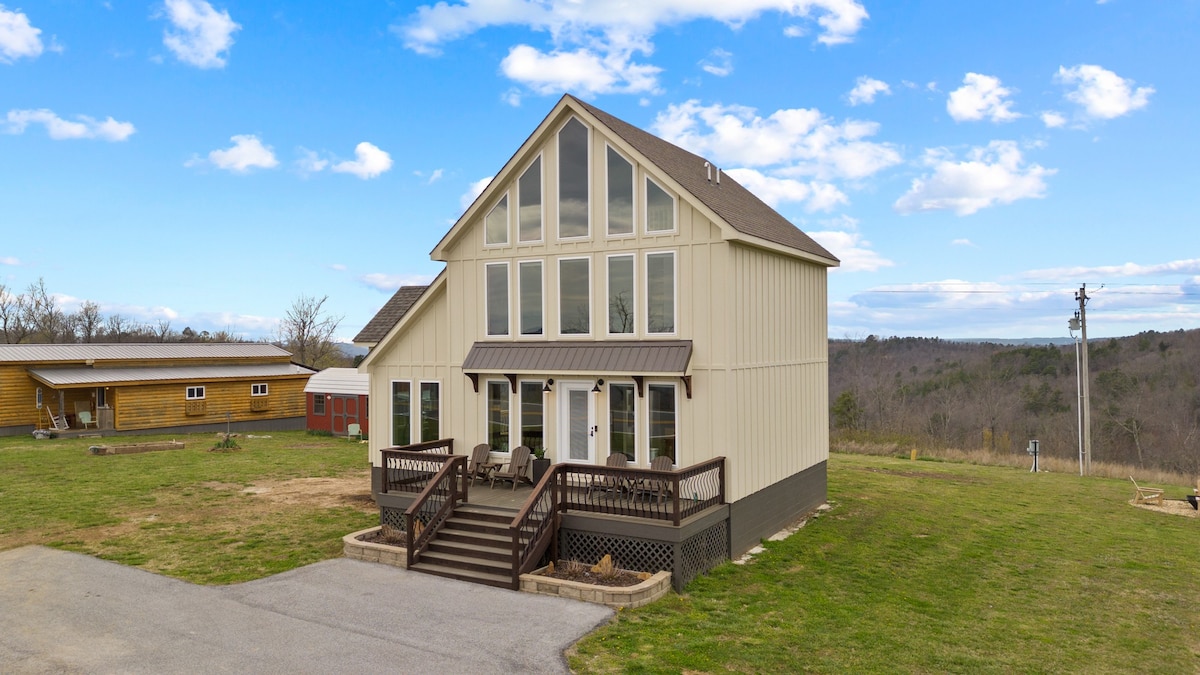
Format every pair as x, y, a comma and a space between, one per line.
480, 464
354, 431
517, 467
657, 487
85, 418
606, 483
1146, 495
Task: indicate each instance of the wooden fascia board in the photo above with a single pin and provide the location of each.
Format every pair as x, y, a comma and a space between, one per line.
436, 286
502, 177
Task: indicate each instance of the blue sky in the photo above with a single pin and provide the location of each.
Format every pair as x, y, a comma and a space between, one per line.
971, 163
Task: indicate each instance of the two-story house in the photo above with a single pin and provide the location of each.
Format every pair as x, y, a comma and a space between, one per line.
612, 292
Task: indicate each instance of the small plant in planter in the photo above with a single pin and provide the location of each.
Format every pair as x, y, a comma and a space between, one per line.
226, 444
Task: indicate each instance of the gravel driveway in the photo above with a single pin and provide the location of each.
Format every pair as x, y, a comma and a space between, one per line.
63, 612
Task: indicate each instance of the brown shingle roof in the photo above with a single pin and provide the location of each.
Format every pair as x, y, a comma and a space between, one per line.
390, 314
735, 204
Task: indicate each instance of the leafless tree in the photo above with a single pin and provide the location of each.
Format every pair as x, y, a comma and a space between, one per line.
47, 323
87, 321
307, 332
116, 328
12, 316
163, 331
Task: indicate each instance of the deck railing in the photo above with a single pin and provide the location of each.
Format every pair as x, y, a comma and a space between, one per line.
535, 527
642, 493
409, 468
429, 511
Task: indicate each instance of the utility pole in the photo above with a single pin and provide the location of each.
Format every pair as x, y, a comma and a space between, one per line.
1085, 377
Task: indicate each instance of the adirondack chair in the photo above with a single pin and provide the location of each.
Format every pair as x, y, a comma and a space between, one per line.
1146, 495
656, 487
480, 464
613, 484
517, 467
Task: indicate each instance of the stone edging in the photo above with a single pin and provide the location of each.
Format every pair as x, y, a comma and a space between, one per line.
612, 596
369, 551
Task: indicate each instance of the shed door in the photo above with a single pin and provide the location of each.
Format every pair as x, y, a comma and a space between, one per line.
345, 411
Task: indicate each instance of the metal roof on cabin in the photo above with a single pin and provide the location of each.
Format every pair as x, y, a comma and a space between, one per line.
131, 352
339, 381
630, 357
66, 377
729, 199
390, 314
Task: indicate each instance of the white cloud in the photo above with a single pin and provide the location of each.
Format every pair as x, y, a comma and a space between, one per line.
584, 70
800, 141
1189, 266
1053, 120
60, 129
849, 246
18, 37
247, 153
9, 260
964, 242
981, 96
310, 162
338, 267
473, 191
201, 33
1102, 94
866, 89
719, 63
434, 177
371, 162
512, 97
774, 191
996, 174
391, 282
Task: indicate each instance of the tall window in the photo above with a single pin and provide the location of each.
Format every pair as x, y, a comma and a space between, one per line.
573, 180
497, 298
620, 294
532, 431
431, 411
574, 300
660, 292
529, 200
401, 413
622, 421
495, 226
660, 208
620, 194
662, 420
529, 279
497, 415
319, 405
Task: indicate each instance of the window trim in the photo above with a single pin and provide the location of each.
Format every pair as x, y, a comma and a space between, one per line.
650, 420
541, 162
637, 449
520, 404
416, 401
541, 297
507, 223
259, 387
589, 332
321, 398
487, 421
487, 305
633, 192
195, 392
392, 412
608, 294
674, 292
588, 164
646, 210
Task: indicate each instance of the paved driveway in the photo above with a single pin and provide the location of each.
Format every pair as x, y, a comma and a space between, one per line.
65, 612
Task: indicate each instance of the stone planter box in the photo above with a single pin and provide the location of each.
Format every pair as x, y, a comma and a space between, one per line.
369, 551
612, 596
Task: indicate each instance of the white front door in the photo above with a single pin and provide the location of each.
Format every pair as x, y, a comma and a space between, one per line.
576, 422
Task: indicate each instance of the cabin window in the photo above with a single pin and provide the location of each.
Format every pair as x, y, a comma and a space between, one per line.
38, 398
258, 389
195, 393
431, 411
401, 413
573, 183
574, 296
620, 195
660, 208
495, 225
498, 402
622, 419
497, 298
663, 415
620, 294
529, 279
318, 405
529, 203
532, 431
660, 292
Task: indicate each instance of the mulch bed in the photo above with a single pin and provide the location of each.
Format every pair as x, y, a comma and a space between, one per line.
583, 573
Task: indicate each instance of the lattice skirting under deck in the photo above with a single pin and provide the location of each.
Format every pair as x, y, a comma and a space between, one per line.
685, 560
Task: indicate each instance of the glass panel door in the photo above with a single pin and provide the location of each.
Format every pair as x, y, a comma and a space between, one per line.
576, 422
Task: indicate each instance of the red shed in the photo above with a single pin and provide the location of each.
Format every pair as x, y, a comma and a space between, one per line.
337, 398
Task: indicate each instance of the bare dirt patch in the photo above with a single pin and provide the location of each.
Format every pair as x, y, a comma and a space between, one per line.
352, 489
1175, 507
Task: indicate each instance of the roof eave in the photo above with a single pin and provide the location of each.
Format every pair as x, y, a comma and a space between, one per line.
417, 307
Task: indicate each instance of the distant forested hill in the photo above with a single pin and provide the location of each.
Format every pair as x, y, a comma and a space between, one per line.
1145, 395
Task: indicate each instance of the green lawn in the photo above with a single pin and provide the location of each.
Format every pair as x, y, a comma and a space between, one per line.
938, 567
185, 513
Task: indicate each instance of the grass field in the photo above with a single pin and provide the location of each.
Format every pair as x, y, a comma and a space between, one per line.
938, 567
207, 517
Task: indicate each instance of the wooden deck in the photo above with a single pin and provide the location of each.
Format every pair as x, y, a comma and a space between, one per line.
501, 497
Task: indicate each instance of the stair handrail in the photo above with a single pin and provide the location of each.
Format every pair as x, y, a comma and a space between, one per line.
446, 483
538, 519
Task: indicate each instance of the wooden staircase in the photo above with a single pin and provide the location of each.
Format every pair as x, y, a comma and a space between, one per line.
473, 545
